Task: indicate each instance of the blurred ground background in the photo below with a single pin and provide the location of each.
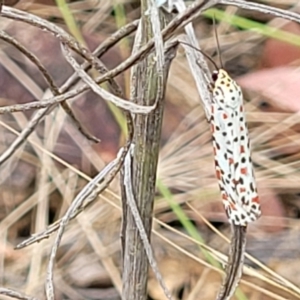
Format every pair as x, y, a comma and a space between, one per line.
36, 189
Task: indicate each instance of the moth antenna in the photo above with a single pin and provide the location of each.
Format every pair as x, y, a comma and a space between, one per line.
218, 43
203, 53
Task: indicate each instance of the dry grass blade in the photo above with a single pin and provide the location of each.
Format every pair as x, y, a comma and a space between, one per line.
33, 58
104, 179
234, 268
293, 289
193, 57
58, 32
88, 194
15, 295
124, 104
289, 15
131, 202
90, 245
40, 115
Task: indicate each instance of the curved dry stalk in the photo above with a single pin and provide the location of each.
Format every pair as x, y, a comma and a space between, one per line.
204, 263
53, 87
89, 193
15, 295
71, 94
285, 14
133, 59
127, 29
131, 202
124, 104
234, 267
32, 57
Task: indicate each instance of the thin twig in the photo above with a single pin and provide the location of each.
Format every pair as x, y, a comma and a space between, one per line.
33, 58
124, 104
41, 114
15, 294
181, 20
54, 227
53, 87
133, 59
234, 267
89, 193
286, 14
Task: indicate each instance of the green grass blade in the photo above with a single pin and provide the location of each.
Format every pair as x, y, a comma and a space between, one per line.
261, 28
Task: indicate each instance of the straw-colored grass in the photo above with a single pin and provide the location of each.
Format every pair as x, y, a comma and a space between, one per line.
43, 177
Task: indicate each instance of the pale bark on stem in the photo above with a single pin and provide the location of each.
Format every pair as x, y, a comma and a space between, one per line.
148, 87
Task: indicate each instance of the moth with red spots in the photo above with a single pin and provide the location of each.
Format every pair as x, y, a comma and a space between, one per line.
231, 146
234, 169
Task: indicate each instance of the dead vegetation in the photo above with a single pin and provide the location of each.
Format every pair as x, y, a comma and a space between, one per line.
56, 161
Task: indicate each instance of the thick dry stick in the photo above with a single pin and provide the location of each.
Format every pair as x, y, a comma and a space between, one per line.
149, 87
234, 268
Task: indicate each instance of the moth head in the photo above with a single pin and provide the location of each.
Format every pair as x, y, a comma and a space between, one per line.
226, 93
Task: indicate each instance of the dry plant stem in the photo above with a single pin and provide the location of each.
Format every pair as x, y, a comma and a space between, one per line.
124, 104
4, 36
41, 114
147, 87
54, 89
89, 192
15, 295
68, 40
170, 53
133, 59
131, 202
48, 79
181, 20
68, 95
234, 267
285, 14
101, 49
